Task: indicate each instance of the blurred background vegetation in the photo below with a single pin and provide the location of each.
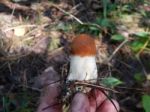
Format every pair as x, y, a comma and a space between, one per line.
35, 34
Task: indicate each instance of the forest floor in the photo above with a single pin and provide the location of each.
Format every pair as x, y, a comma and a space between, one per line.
36, 35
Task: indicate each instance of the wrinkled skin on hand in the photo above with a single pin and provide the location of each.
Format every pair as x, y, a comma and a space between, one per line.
94, 101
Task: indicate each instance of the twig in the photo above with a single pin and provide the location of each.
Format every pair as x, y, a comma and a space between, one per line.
32, 88
11, 5
124, 63
143, 68
78, 20
95, 25
12, 13
4, 63
96, 86
10, 70
128, 88
74, 8
13, 57
11, 88
20, 26
71, 15
109, 69
142, 49
110, 100
117, 49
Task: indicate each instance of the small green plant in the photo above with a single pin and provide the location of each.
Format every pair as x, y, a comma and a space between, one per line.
19, 102
146, 103
6, 103
141, 42
105, 23
105, 5
111, 82
117, 37
139, 77
88, 28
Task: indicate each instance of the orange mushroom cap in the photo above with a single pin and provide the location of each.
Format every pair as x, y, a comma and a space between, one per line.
83, 45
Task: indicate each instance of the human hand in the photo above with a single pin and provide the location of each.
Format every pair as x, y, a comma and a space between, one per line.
94, 101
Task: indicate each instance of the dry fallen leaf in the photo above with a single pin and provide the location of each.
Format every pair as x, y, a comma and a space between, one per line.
148, 77
19, 31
